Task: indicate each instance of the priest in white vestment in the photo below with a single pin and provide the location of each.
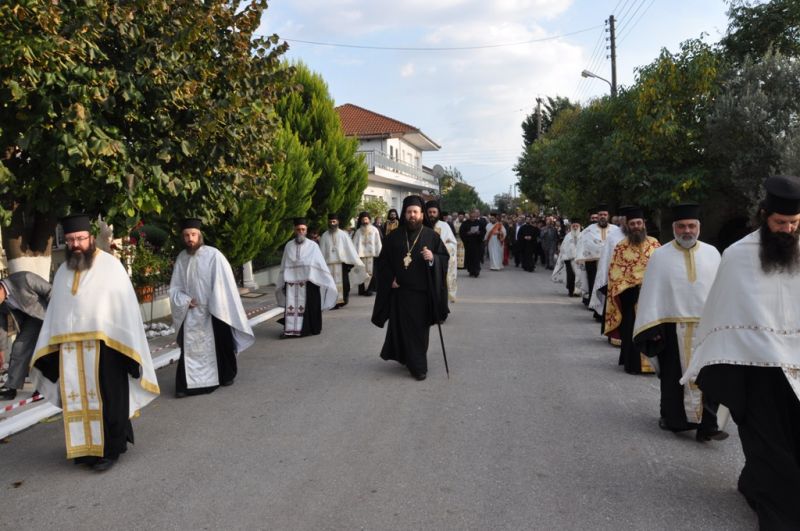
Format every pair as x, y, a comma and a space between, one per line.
597, 301
305, 286
495, 236
442, 228
590, 247
341, 256
207, 311
675, 286
368, 243
460, 244
92, 358
566, 265
747, 353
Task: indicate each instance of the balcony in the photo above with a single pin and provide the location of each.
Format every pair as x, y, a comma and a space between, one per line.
380, 160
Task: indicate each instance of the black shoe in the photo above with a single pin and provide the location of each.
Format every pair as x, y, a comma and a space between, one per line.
104, 463
421, 376
716, 435
226, 384
367, 294
7, 393
662, 423
180, 394
86, 460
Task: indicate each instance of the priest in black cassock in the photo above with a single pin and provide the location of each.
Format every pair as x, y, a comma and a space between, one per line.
525, 244
412, 290
472, 232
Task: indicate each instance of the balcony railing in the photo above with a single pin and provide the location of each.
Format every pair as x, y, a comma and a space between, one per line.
379, 159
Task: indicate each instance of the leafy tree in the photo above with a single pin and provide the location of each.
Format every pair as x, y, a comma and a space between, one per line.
376, 207
124, 107
551, 109
292, 184
753, 130
309, 112
755, 28
462, 197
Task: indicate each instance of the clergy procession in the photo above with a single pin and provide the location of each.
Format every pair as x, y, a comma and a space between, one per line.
717, 332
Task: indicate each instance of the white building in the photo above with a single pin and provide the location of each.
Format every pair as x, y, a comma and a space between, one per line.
393, 153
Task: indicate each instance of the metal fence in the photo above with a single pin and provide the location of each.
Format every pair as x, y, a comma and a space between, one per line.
380, 159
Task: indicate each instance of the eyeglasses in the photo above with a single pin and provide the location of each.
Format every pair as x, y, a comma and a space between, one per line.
76, 239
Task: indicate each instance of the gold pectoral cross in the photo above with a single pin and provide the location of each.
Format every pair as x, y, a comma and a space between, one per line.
407, 260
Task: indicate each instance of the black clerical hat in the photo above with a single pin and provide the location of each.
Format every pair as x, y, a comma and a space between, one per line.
191, 223
300, 221
76, 223
333, 216
462, 213
432, 204
634, 212
601, 207
623, 210
413, 200
783, 195
685, 211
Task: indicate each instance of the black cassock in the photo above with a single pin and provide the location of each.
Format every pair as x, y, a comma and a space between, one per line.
767, 414
527, 246
419, 302
472, 233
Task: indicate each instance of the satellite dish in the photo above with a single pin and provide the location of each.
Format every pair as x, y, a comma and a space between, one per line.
438, 171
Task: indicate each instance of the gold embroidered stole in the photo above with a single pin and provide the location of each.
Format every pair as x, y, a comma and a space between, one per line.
79, 383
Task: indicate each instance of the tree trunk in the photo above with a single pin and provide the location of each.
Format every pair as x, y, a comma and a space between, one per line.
28, 241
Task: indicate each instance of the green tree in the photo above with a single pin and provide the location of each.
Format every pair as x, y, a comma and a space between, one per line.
309, 112
551, 109
124, 107
753, 130
462, 197
376, 207
755, 28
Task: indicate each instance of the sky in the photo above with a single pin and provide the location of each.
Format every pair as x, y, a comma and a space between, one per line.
472, 101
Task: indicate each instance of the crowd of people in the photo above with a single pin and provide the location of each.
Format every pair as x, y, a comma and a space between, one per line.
719, 331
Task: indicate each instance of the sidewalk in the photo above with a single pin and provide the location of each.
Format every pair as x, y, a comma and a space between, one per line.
26, 409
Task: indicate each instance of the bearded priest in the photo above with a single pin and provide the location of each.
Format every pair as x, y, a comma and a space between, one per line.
341, 256
625, 274
412, 288
207, 311
676, 283
442, 228
305, 286
747, 354
92, 358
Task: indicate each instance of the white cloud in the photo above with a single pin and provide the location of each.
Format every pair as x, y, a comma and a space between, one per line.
407, 70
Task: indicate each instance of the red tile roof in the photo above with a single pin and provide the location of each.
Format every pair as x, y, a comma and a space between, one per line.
357, 121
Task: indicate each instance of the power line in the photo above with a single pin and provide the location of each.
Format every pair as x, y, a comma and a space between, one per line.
627, 11
627, 23
630, 30
438, 49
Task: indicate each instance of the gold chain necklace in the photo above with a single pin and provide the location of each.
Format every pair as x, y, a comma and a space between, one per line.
407, 259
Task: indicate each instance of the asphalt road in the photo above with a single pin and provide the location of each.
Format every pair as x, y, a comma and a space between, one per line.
537, 428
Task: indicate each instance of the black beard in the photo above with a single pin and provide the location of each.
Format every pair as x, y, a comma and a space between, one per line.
637, 237
80, 261
779, 251
602, 223
413, 226
431, 221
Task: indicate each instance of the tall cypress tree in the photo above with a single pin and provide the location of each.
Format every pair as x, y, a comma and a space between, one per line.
309, 112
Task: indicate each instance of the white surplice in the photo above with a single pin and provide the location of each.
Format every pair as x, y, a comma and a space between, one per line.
206, 277
598, 300
368, 244
495, 244
85, 309
449, 239
750, 317
674, 290
302, 263
337, 249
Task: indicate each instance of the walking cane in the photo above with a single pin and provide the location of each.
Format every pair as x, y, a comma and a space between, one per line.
436, 317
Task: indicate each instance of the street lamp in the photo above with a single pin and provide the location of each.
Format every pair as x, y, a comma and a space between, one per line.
586, 73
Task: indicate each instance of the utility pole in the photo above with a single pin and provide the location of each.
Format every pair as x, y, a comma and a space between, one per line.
538, 118
613, 47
